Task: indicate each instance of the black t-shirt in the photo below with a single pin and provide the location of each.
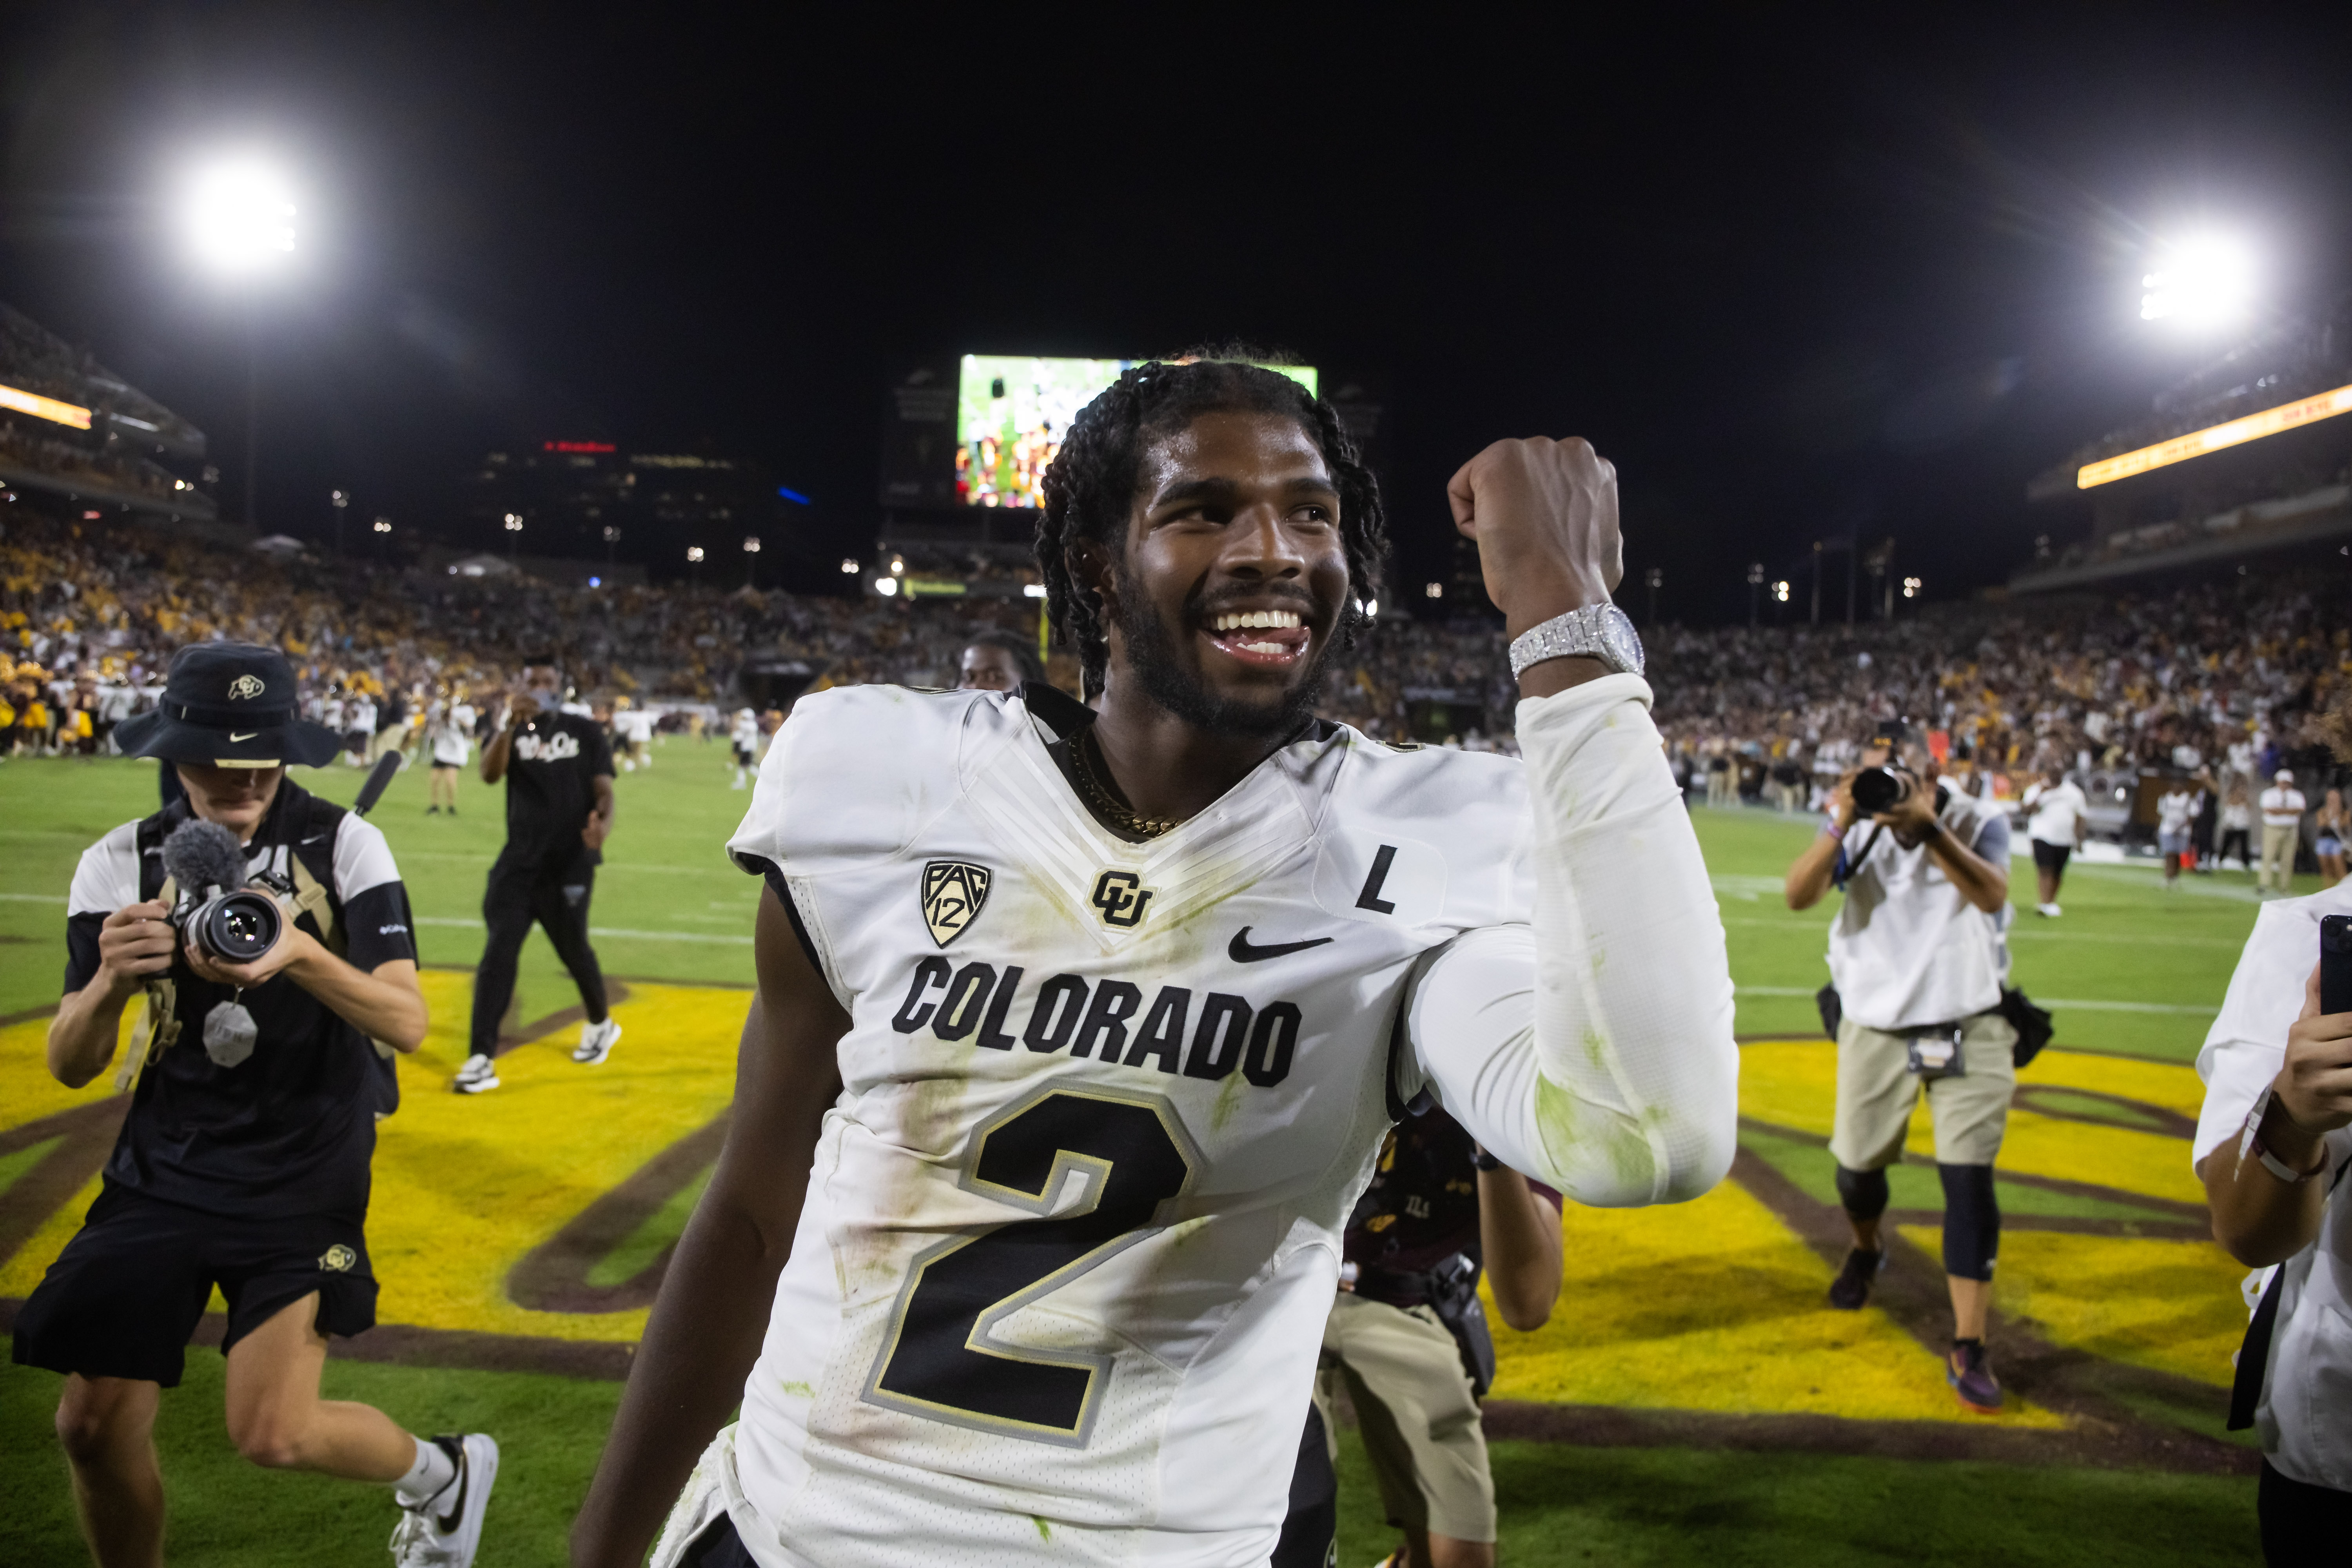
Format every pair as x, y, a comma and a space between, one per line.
549, 791
290, 1129
1421, 1209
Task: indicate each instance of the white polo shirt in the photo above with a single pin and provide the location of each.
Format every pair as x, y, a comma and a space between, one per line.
2282, 806
2304, 1419
1908, 950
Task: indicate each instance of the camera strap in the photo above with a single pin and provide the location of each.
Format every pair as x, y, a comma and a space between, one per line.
1846, 868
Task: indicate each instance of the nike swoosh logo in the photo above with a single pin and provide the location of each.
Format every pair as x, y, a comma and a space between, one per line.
234, 738
1243, 951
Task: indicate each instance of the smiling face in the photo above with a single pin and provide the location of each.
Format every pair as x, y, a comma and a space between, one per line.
1225, 601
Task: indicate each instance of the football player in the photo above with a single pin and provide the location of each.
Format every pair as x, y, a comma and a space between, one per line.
1077, 1032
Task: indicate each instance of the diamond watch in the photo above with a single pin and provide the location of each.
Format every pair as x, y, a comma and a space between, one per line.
1597, 631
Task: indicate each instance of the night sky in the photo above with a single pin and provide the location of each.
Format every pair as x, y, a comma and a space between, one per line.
1794, 276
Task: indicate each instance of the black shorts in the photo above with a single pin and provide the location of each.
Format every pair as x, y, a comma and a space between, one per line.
125, 1296
2051, 856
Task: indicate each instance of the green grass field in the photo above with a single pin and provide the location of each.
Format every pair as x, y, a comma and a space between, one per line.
2130, 972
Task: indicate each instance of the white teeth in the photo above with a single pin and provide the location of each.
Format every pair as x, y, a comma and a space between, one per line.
1264, 647
1268, 618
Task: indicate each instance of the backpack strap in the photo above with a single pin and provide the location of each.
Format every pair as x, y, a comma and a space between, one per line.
313, 892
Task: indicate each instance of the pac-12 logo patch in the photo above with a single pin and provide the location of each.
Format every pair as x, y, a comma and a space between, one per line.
338, 1259
1121, 897
953, 891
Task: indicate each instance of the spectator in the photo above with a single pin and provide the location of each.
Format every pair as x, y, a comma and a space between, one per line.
2283, 807
2055, 813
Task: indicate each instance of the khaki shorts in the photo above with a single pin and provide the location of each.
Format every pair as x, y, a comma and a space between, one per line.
1876, 1089
1418, 1420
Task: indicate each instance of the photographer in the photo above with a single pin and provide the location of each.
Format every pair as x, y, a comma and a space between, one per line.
243, 1161
1917, 965
1407, 1337
2272, 1149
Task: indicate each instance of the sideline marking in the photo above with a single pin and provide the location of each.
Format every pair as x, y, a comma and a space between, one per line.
618, 932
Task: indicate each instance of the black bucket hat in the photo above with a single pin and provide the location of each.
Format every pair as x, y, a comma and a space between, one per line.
230, 704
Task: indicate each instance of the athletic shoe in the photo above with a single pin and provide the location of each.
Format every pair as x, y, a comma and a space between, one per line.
479, 1074
2049, 912
445, 1529
432, 811
596, 1042
1851, 1289
1969, 1373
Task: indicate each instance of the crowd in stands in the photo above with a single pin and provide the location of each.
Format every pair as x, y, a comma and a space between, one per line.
2228, 679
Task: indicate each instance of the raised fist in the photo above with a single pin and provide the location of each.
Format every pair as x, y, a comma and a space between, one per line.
1544, 514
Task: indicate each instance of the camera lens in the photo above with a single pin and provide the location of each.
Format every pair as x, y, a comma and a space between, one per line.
1876, 789
237, 927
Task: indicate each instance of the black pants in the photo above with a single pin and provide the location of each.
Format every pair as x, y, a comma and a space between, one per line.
2302, 1523
555, 894
2233, 841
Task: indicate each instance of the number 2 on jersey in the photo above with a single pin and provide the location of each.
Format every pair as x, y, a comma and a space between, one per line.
941, 1358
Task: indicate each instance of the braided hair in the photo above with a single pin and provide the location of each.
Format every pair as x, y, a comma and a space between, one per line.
1089, 487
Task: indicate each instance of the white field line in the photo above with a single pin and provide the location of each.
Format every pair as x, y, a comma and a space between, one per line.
618, 933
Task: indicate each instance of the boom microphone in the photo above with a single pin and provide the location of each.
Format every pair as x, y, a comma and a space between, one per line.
378, 778
202, 855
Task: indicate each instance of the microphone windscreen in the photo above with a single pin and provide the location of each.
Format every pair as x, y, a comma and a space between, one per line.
200, 855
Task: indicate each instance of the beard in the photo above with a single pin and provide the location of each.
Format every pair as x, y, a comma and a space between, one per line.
1152, 651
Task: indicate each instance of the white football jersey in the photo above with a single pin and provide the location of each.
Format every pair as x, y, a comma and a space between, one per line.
1073, 1227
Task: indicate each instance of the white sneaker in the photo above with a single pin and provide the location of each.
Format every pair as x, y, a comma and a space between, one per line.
2052, 910
445, 1529
596, 1042
478, 1074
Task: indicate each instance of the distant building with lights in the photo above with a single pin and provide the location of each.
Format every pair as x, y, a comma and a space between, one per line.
588, 499
2249, 460
73, 431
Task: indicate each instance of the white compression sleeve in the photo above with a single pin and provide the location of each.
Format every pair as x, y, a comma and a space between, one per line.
1594, 1051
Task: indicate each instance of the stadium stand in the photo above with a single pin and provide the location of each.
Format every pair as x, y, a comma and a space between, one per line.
114, 447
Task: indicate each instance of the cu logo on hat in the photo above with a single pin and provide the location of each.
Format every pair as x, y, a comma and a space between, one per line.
244, 685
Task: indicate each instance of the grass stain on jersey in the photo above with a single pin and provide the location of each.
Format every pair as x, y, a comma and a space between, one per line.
797, 1389
1044, 1530
1228, 1101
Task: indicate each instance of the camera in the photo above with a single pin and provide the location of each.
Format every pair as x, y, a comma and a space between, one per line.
1881, 789
220, 909
236, 926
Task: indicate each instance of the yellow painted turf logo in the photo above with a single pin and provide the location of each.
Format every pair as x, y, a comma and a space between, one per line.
953, 891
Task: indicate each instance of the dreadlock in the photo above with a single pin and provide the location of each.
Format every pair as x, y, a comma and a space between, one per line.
1089, 487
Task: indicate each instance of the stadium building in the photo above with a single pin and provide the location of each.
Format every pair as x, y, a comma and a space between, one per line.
75, 431
2247, 461
588, 500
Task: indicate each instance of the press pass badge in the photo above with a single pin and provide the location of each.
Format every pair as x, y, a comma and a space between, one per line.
1936, 1053
229, 1033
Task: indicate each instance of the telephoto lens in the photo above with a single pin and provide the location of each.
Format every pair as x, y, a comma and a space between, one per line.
1878, 789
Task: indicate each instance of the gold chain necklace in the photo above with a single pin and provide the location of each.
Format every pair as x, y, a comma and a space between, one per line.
1123, 817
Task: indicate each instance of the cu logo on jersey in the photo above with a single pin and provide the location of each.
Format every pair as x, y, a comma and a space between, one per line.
1121, 897
533, 747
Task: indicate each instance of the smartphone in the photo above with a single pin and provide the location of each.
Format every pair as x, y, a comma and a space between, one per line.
2336, 965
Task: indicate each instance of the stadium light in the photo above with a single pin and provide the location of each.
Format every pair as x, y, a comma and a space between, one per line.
240, 217
750, 544
1032, 590
849, 568
514, 522
2199, 282
1911, 587
1433, 591
887, 586
1781, 590
383, 525
897, 565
